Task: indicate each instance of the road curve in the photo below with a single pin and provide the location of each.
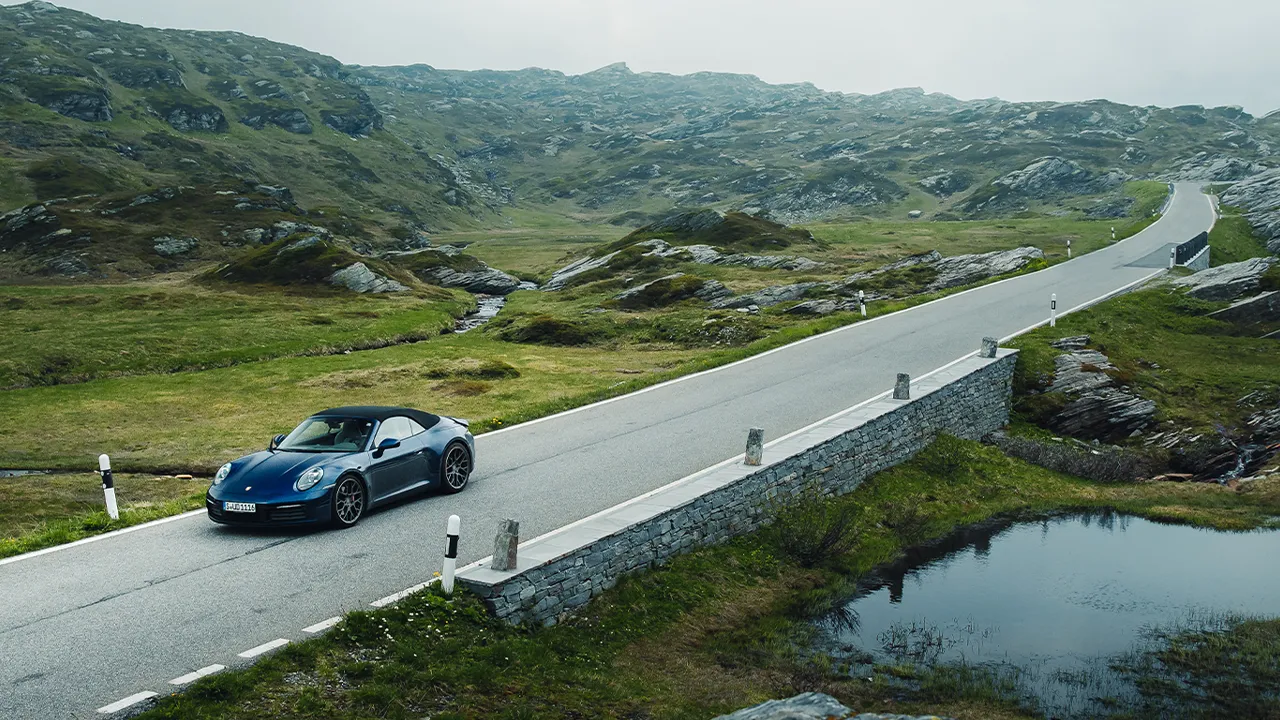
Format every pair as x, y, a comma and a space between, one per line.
85, 626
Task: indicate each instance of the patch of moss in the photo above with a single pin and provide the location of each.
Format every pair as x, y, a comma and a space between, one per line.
551, 330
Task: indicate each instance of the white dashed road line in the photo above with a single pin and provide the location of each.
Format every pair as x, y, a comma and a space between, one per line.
194, 676
263, 648
322, 625
130, 701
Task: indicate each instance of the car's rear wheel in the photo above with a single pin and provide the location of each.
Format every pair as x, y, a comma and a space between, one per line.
349, 501
455, 468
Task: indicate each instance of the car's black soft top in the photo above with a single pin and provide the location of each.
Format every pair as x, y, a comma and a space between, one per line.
373, 412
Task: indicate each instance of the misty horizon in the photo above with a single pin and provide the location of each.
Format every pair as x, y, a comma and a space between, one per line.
1143, 54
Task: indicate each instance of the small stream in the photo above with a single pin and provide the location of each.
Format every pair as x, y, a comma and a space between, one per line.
487, 308
1051, 601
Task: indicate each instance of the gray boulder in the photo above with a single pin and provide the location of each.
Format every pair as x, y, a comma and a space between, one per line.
359, 278
27, 223
1215, 168
1076, 342
707, 255
850, 283
1227, 282
481, 281
172, 247
815, 307
290, 120
1081, 371
966, 269
947, 183
769, 296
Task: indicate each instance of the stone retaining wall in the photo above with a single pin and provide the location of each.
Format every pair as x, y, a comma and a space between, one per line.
563, 570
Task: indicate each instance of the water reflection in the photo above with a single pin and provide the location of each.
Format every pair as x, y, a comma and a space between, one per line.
1052, 599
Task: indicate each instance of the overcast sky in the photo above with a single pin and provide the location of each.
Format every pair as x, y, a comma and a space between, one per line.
1161, 52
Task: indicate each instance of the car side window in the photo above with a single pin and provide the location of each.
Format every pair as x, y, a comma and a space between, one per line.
393, 427
414, 427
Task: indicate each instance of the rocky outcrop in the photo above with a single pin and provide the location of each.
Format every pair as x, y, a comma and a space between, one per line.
361, 120
562, 277
359, 278
482, 281
86, 105
1205, 167
769, 296
1259, 196
1098, 408
966, 269
707, 255
815, 307
26, 224
811, 706
172, 247
1257, 309
947, 184
1227, 282
1051, 176
672, 289
290, 120
187, 118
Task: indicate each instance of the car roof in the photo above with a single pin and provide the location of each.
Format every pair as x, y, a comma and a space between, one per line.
375, 412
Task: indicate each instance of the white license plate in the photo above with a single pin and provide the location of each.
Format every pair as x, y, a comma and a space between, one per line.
240, 507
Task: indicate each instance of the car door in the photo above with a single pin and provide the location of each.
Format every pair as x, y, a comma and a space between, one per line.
393, 470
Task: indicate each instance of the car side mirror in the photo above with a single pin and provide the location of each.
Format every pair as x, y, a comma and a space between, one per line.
275, 442
388, 444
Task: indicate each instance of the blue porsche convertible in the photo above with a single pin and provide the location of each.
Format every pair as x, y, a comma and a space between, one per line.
340, 463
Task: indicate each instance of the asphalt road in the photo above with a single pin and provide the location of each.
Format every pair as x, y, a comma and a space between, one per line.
85, 626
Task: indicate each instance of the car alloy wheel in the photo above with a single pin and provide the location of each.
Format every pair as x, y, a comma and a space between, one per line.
348, 501
456, 468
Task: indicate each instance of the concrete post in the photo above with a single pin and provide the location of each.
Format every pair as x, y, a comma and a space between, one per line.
108, 486
988, 347
504, 546
450, 553
755, 446
862, 302
902, 389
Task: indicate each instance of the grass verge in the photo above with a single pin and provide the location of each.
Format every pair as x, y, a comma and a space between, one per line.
711, 632
40, 511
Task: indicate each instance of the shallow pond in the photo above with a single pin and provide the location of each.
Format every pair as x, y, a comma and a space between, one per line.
1053, 600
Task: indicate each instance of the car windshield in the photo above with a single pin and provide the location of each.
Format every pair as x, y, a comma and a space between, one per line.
329, 434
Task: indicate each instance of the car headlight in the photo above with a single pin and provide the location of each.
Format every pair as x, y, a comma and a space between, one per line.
223, 472
309, 479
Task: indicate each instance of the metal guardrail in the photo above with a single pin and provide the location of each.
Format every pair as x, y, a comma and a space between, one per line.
1189, 249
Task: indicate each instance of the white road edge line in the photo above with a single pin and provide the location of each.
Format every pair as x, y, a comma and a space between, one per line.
104, 536
263, 648
130, 701
651, 388
194, 676
322, 625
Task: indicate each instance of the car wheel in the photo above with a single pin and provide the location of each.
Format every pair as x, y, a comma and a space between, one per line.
349, 501
455, 468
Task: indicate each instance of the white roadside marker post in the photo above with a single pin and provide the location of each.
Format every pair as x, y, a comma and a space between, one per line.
862, 302
755, 447
1053, 310
1113, 233
451, 554
1068, 248
108, 486
1173, 256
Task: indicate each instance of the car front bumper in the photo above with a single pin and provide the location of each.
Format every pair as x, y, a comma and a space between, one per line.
302, 512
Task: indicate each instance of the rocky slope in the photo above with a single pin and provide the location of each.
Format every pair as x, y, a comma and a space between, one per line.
408, 149
1259, 196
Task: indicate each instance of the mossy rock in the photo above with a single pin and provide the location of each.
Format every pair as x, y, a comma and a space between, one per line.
551, 330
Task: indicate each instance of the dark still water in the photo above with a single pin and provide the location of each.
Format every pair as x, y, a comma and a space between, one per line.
1055, 599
